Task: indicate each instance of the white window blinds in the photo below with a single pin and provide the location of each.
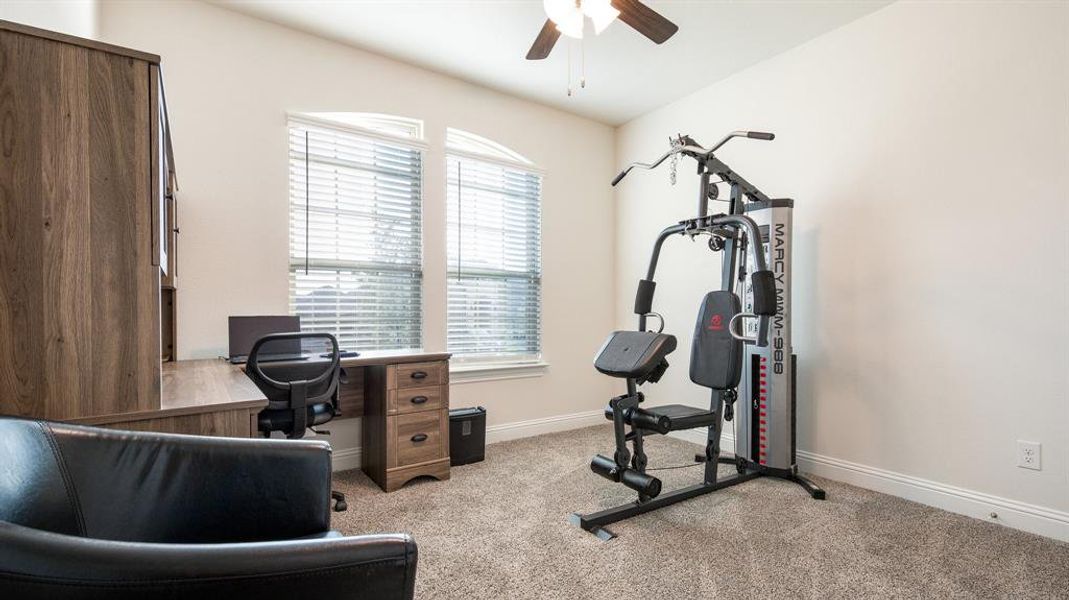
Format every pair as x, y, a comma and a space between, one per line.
495, 270
355, 240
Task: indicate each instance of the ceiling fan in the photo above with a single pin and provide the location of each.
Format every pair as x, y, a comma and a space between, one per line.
569, 17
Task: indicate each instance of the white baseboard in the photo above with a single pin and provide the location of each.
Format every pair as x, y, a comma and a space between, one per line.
522, 429
697, 436
345, 459
1011, 513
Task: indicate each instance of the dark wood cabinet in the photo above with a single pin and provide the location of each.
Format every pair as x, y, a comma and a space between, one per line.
79, 226
406, 422
165, 215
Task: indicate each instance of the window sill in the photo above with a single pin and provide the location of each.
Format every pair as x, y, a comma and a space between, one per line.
460, 372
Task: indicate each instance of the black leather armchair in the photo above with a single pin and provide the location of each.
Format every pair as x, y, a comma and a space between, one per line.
96, 513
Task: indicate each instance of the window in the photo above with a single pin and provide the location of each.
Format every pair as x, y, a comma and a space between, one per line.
355, 238
494, 262
468, 143
391, 125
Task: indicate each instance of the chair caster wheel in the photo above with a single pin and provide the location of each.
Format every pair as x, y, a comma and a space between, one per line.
339, 501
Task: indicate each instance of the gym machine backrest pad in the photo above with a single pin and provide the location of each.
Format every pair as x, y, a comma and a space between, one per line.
716, 356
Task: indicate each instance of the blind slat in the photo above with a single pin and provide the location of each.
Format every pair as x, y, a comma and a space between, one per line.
355, 223
494, 259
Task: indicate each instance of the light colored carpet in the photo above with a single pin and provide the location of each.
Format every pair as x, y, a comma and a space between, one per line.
498, 529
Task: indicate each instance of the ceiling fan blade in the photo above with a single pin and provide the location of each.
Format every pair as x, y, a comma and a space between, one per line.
645, 20
543, 44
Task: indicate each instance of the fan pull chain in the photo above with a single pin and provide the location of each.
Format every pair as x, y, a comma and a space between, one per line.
569, 69
582, 63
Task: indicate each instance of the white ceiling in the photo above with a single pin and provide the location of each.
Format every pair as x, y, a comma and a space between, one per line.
485, 41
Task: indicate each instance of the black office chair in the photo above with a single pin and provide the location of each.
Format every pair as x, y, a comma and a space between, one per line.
299, 373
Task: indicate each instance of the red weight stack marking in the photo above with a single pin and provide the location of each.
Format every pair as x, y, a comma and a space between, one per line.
762, 429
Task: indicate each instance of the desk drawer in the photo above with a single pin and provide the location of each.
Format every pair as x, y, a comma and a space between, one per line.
418, 437
351, 394
419, 375
415, 400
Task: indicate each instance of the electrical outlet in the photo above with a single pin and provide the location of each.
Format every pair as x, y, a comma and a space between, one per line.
1029, 455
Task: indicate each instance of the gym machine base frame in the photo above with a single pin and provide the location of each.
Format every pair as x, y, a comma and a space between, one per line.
595, 522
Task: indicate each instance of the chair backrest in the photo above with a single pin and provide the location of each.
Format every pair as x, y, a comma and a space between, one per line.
153, 487
35, 490
296, 382
716, 356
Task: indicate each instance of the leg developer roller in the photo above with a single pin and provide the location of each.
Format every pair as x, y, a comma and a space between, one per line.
647, 485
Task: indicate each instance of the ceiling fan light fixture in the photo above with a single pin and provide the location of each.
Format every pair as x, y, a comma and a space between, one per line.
601, 12
566, 15
572, 25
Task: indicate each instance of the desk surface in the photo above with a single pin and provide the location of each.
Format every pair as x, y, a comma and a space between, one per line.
207, 383
393, 357
373, 358
189, 387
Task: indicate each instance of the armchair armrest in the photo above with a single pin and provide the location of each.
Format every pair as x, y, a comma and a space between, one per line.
39, 564
156, 487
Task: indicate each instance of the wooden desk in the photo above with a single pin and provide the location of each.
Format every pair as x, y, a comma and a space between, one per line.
351, 394
403, 397
199, 397
405, 429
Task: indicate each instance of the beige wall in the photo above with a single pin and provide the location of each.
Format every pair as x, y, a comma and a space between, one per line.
76, 17
230, 81
927, 149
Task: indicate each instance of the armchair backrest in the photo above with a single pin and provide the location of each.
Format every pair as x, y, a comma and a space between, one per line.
155, 487
34, 489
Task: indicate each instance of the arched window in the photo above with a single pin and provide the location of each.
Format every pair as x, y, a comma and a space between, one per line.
459, 141
495, 261
391, 125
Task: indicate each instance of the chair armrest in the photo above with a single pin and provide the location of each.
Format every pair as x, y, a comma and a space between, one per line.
157, 487
40, 564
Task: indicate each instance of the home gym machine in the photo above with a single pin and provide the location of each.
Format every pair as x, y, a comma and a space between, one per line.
741, 348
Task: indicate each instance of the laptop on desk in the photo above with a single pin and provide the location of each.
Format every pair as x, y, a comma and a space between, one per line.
244, 331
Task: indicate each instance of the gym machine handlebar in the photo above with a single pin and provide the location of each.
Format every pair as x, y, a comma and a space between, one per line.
764, 305
762, 280
693, 150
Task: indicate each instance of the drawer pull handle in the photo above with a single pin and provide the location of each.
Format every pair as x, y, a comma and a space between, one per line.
418, 399
419, 437
419, 375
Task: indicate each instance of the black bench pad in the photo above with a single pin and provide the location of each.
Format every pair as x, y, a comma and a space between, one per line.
633, 354
663, 419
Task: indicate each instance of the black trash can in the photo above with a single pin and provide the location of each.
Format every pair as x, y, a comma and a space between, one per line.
467, 435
